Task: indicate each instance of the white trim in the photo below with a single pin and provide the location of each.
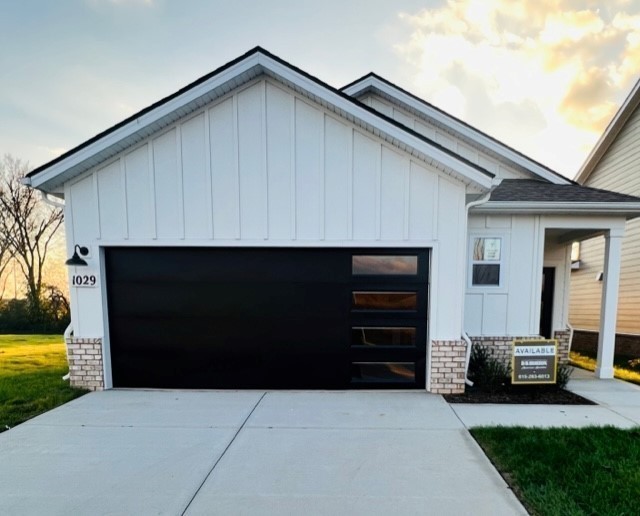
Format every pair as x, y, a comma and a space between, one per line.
107, 375
630, 209
258, 63
455, 126
176, 242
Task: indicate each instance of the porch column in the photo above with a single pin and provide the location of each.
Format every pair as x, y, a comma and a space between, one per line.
609, 304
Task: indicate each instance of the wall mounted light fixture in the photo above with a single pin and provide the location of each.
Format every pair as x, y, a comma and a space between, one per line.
75, 259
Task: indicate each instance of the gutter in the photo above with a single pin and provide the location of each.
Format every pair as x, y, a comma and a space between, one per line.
629, 209
47, 199
465, 337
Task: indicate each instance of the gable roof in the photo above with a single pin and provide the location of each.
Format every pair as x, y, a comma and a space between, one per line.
628, 107
402, 98
533, 196
228, 77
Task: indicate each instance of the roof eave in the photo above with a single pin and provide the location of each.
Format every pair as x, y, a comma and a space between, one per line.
372, 82
627, 209
609, 135
252, 65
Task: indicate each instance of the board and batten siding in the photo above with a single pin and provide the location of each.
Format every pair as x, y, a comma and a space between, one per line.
510, 308
444, 138
618, 170
264, 166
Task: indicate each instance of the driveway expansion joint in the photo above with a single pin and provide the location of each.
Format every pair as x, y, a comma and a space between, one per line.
206, 477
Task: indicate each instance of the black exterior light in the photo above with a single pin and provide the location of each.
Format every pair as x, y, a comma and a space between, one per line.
75, 259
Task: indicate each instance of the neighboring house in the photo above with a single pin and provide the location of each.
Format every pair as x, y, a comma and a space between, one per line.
261, 229
613, 164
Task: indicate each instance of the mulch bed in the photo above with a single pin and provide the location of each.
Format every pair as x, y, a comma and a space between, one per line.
520, 395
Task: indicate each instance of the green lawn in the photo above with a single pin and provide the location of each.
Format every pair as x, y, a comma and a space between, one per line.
565, 471
31, 370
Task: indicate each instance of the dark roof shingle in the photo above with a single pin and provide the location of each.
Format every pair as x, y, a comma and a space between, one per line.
531, 190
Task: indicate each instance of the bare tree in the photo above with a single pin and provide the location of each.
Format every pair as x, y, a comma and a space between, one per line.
27, 226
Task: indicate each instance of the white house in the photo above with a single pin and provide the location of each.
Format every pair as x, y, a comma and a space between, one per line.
259, 228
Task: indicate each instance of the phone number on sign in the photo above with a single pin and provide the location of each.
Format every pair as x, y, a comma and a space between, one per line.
534, 377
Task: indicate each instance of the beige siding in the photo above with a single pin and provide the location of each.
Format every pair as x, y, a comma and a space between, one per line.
618, 170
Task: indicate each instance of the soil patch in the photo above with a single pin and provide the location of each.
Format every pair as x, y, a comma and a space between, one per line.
520, 395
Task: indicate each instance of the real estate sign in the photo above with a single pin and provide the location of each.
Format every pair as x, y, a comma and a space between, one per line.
534, 361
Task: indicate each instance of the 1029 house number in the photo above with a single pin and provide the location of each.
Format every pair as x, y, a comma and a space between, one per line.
84, 280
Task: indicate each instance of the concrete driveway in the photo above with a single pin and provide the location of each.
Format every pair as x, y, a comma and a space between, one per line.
249, 452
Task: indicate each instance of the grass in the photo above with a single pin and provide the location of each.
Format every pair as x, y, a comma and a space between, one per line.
567, 471
589, 363
31, 370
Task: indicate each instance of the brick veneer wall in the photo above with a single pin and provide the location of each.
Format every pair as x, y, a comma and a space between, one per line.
448, 360
501, 347
85, 363
564, 345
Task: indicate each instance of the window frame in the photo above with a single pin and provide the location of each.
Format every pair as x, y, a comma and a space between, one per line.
501, 262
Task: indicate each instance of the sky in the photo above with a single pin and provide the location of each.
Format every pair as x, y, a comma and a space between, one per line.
543, 76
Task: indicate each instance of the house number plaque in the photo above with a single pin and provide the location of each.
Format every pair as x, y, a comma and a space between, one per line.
87, 280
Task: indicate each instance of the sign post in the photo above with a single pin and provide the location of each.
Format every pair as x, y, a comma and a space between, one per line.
534, 361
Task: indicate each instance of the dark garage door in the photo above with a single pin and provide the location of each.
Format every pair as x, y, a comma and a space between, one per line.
267, 318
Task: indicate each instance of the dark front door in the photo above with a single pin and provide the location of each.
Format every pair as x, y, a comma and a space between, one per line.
546, 303
267, 318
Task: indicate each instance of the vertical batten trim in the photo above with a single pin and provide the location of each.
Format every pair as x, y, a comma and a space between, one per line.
152, 191
208, 169
181, 215
293, 171
323, 175
350, 160
236, 156
435, 209
96, 192
378, 201
125, 196
265, 161
407, 201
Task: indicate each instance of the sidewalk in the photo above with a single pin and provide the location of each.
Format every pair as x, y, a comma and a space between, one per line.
618, 405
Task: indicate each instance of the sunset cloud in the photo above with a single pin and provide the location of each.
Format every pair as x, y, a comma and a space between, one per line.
564, 66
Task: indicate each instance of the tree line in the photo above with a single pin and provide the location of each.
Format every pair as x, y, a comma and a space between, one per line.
27, 229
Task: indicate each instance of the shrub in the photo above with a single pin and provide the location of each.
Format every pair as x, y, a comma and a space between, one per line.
563, 375
486, 372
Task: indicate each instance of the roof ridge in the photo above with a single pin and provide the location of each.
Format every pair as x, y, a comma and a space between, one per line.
220, 69
456, 119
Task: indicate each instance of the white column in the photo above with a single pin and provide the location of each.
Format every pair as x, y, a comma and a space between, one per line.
609, 305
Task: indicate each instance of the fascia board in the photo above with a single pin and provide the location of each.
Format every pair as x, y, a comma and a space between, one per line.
628, 209
462, 129
609, 135
372, 119
148, 118
286, 74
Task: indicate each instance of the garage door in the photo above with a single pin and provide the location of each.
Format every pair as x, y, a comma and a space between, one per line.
267, 318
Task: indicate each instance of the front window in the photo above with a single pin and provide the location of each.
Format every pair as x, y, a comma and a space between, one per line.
486, 261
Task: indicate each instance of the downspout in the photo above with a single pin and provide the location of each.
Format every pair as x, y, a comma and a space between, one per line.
67, 336
51, 202
465, 337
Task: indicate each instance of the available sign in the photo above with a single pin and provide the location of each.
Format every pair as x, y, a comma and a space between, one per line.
534, 361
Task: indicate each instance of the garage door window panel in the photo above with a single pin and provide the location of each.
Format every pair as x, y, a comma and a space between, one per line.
384, 265
383, 337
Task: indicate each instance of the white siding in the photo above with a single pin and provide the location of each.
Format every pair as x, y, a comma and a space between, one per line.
444, 138
511, 308
264, 166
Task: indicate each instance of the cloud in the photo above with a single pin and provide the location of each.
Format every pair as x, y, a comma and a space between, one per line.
562, 66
